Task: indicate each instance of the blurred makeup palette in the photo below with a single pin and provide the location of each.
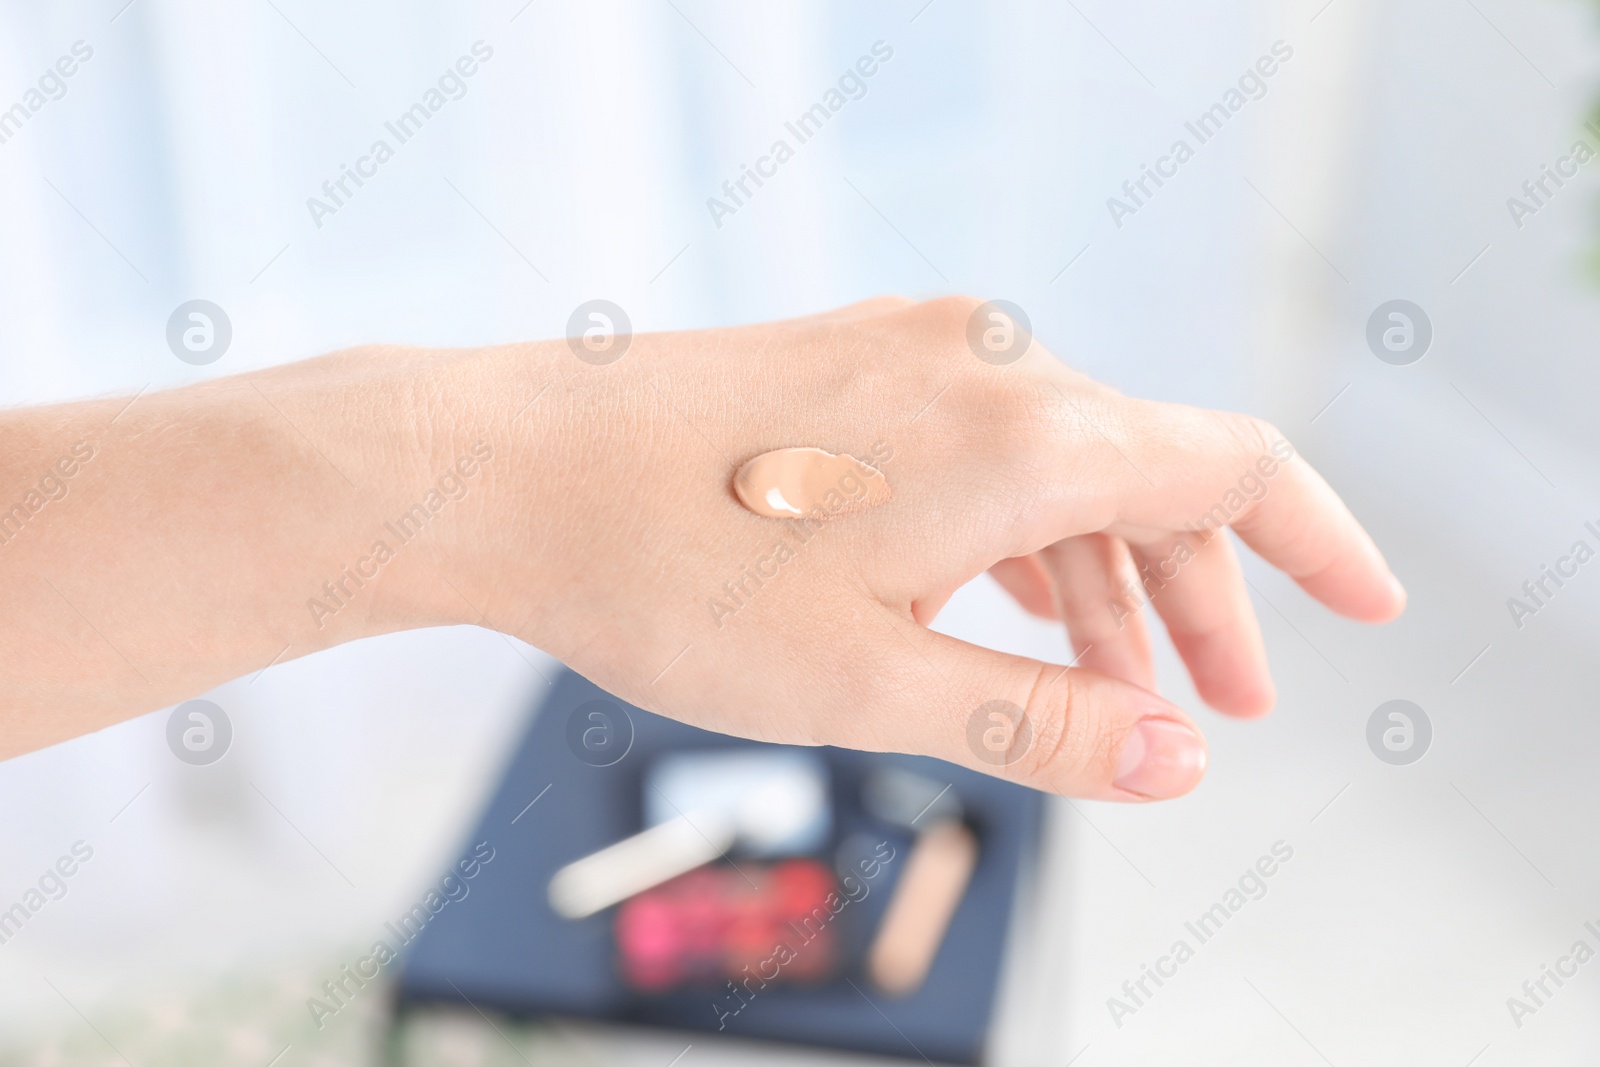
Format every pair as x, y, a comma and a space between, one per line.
699, 882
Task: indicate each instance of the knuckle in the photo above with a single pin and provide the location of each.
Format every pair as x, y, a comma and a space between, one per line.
1268, 434
1254, 436
874, 306
1070, 742
949, 310
943, 321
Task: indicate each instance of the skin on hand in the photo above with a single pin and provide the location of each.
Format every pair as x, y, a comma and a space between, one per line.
605, 530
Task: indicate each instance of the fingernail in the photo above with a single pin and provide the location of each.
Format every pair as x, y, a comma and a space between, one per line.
1161, 759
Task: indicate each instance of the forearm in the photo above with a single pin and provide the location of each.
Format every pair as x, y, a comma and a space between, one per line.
152, 549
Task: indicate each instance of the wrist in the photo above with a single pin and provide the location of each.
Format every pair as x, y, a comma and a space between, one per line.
464, 498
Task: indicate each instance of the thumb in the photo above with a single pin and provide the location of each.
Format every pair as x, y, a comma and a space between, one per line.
1071, 731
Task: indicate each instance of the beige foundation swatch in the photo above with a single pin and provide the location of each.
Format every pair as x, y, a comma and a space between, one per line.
791, 482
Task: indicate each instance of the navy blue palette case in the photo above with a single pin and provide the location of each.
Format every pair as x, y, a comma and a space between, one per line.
502, 947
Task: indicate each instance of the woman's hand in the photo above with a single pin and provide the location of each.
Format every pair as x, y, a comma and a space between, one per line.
626, 553
589, 509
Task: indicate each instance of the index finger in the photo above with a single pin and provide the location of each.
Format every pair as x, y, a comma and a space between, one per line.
1203, 471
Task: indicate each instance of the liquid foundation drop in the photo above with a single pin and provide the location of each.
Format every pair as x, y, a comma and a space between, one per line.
792, 482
